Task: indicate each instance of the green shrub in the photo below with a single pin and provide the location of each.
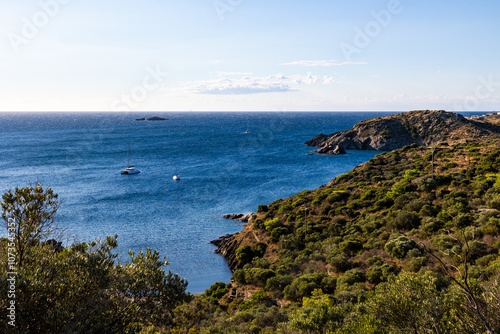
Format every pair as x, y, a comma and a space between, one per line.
300, 201
416, 263
262, 208
379, 273
217, 290
272, 224
244, 254
443, 242
339, 261
239, 276
258, 276
275, 285
405, 220
351, 276
259, 224
259, 249
277, 232
399, 245
350, 246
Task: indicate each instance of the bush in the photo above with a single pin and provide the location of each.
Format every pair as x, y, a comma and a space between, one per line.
405, 220
399, 245
339, 261
239, 276
262, 208
244, 254
217, 290
259, 276
272, 224
275, 285
259, 249
416, 263
351, 276
350, 246
277, 232
379, 273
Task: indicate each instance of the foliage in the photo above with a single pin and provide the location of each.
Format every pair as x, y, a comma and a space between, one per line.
81, 288
30, 210
399, 245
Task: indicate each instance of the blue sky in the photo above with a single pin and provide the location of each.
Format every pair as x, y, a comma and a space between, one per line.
242, 55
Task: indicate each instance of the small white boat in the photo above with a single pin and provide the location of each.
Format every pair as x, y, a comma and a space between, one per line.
130, 169
248, 131
176, 177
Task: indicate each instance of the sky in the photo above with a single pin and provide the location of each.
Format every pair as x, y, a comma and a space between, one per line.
249, 55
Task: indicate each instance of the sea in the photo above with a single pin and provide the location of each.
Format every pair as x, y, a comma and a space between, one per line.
223, 169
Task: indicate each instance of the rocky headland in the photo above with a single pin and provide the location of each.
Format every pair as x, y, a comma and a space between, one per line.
421, 127
382, 133
244, 218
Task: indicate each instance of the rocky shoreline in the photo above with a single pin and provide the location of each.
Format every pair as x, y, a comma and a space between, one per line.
244, 218
226, 247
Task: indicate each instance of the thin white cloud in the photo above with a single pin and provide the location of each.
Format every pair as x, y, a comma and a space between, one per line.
253, 85
322, 63
221, 74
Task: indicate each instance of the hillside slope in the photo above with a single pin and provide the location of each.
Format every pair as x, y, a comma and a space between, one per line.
329, 260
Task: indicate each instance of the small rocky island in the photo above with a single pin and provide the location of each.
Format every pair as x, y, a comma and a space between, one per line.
155, 118
421, 127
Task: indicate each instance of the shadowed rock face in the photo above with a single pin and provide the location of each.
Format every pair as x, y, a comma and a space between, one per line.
227, 246
421, 127
239, 217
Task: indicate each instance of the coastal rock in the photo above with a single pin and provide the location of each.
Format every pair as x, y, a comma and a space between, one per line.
421, 127
245, 218
331, 150
227, 246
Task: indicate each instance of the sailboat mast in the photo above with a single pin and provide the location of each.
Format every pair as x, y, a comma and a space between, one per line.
128, 156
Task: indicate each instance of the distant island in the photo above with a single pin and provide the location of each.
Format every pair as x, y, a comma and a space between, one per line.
155, 118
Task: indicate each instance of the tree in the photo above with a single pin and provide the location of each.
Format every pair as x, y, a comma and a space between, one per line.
28, 214
473, 304
81, 288
409, 303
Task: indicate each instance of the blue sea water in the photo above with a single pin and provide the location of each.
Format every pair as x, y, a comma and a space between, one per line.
222, 169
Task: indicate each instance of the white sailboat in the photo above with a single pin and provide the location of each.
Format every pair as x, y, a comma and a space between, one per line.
130, 169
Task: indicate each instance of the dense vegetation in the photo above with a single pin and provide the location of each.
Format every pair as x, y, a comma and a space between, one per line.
407, 242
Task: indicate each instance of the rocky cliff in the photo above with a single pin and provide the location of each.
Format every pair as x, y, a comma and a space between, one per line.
227, 246
421, 127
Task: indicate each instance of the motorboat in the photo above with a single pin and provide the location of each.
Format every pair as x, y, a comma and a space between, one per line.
176, 177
